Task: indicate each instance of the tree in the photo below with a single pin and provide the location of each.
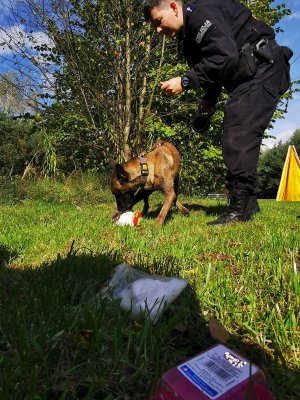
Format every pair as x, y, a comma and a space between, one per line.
101, 65
103, 51
20, 145
14, 94
24, 52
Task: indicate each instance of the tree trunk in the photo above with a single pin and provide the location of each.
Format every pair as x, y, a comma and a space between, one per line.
128, 92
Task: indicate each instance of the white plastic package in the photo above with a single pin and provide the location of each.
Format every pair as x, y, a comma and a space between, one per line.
125, 218
146, 296
131, 218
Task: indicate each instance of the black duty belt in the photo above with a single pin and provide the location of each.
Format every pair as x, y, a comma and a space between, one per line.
263, 50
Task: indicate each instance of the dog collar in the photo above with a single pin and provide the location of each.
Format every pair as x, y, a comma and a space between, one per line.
144, 168
144, 164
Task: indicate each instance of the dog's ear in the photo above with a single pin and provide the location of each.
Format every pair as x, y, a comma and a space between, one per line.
122, 175
112, 163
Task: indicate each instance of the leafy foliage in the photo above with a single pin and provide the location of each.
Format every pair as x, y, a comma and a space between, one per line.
19, 145
104, 65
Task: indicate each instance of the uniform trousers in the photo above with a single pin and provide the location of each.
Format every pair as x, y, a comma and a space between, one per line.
248, 111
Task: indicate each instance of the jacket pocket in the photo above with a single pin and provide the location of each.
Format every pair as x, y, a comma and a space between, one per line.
246, 67
272, 91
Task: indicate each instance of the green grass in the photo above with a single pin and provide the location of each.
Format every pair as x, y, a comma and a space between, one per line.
58, 342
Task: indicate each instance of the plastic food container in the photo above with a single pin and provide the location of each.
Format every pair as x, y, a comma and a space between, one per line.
217, 373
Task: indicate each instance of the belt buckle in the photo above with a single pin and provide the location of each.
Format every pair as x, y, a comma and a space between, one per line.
261, 43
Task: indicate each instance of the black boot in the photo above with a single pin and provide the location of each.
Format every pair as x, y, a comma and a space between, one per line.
253, 205
237, 209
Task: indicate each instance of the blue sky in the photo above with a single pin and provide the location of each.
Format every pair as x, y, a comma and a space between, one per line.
16, 41
283, 129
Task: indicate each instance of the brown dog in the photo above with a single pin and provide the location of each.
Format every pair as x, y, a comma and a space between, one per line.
136, 179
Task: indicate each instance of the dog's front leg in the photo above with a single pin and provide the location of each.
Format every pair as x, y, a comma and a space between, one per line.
142, 195
168, 201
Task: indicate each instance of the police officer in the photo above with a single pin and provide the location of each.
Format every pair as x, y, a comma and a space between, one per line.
225, 46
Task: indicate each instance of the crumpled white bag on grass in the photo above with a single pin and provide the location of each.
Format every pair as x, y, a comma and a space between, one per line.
146, 296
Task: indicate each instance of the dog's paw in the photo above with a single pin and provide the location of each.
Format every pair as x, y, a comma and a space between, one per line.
116, 215
159, 221
185, 212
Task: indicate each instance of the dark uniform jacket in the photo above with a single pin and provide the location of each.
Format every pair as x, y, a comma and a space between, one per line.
214, 31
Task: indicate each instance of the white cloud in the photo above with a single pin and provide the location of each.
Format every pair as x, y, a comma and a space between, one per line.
284, 128
296, 98
282, 136
16, 43
295, 15
15, 38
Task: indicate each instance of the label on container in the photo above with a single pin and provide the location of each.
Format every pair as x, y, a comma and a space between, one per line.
217, 371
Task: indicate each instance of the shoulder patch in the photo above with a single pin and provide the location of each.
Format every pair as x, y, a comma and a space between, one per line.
203, 29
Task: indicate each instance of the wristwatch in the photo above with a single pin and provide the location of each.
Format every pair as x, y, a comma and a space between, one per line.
185, 82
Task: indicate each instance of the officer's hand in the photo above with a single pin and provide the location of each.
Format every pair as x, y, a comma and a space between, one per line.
172, 86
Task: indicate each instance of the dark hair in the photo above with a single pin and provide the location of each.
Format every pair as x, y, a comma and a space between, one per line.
149, 4
147, 7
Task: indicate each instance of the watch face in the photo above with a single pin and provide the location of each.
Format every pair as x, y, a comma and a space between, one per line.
185, 81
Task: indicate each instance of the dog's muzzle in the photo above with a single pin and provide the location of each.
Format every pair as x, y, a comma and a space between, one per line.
124, 202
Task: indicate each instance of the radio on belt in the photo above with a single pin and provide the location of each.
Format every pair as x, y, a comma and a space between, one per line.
217, 373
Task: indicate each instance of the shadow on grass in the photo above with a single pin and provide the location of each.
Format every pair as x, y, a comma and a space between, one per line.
45, 313
208, 210
6, 255
152, 214
59, 341
195, 336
